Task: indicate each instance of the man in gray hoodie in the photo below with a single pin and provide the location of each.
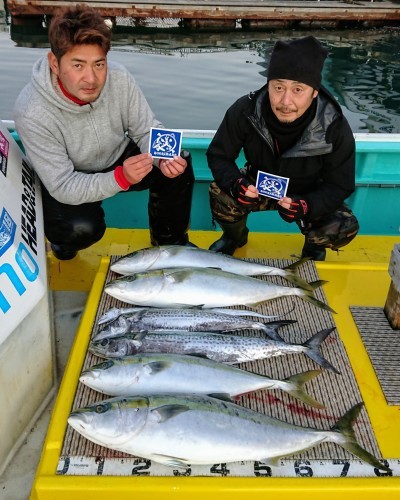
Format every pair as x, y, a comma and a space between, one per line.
85, 126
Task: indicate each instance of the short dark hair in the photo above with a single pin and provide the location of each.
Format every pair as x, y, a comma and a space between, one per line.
77, 25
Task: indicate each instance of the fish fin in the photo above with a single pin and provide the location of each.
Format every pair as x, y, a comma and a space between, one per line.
298, 392
296, 280
182, 463
294, 265
169, 411
313, 351
223, 396
157, 366
138, 336
197, 355
189, 306
344, 426
309, 297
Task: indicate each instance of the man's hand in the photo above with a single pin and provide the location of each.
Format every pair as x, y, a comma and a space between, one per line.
135, 168
173, 167
292, 209
245, 193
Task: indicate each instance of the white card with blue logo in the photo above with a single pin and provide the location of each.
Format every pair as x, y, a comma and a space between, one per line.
272, 186
165, 143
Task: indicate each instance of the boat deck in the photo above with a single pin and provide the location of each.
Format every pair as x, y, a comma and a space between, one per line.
357, 277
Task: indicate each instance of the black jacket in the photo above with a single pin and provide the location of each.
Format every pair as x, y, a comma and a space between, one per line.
320, 166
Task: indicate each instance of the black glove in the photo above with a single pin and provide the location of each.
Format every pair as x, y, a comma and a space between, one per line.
238, 190
298, 210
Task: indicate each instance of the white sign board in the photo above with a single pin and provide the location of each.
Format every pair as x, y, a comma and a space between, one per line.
23, 277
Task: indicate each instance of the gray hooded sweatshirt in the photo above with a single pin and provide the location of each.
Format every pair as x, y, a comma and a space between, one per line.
69, 145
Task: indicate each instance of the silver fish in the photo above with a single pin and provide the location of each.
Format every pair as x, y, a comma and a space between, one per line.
223, 348
191, 320
201, 287
145, 374
115, 312
179, 431
173, 256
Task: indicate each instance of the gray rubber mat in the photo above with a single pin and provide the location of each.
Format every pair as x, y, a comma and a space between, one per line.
382, 344
337, 392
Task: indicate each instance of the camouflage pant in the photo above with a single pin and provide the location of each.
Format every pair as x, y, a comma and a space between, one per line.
330, 231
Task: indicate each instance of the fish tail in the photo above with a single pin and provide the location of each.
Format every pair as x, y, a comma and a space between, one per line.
313, 350
297, 382
309, 297
295, 279
292, 276
270, 328
344, 426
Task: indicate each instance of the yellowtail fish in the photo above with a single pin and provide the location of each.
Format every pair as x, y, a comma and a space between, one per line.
172, 256
202, 287
184, 430
147, 373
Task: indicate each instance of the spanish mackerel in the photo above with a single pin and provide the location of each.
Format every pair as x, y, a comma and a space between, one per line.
114, 312
223, 348
173, 256
191, 320
179, 431
201, 287
145, 374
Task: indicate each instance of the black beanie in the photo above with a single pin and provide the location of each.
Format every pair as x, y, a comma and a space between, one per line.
299, 60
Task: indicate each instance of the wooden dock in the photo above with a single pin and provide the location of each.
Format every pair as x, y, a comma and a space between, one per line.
239, 11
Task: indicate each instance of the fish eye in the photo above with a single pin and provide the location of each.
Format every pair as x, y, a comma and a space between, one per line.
104, 342
106, 364
100, 409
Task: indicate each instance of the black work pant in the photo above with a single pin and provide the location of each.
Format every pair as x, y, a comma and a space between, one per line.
74, 227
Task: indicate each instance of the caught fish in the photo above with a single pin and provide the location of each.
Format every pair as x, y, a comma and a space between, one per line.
202, 287
173, 256
115, 312
180, 431
223, 348
145, 374
191, 320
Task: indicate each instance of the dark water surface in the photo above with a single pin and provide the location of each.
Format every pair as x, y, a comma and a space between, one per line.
191, 79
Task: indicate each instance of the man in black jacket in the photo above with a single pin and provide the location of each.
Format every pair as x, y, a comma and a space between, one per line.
292, 128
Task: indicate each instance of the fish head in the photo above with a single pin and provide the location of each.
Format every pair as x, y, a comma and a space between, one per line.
115, 328
138, 288
138, 261
114, 347
94, 375
112, 422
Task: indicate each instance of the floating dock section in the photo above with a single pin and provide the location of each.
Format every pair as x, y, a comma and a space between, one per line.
199, 13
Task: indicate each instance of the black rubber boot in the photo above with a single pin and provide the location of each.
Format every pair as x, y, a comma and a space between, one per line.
234, 236
62, 253
315, 252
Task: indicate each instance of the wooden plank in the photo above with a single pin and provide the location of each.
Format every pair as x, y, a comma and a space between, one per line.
224, 9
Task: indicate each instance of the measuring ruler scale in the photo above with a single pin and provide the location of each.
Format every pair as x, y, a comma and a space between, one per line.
97, 466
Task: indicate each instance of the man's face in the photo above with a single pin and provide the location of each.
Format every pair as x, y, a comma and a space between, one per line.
82, 71
289, 99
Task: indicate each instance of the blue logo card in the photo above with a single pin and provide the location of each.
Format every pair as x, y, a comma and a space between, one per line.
7, 231
165, 143
272, 186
